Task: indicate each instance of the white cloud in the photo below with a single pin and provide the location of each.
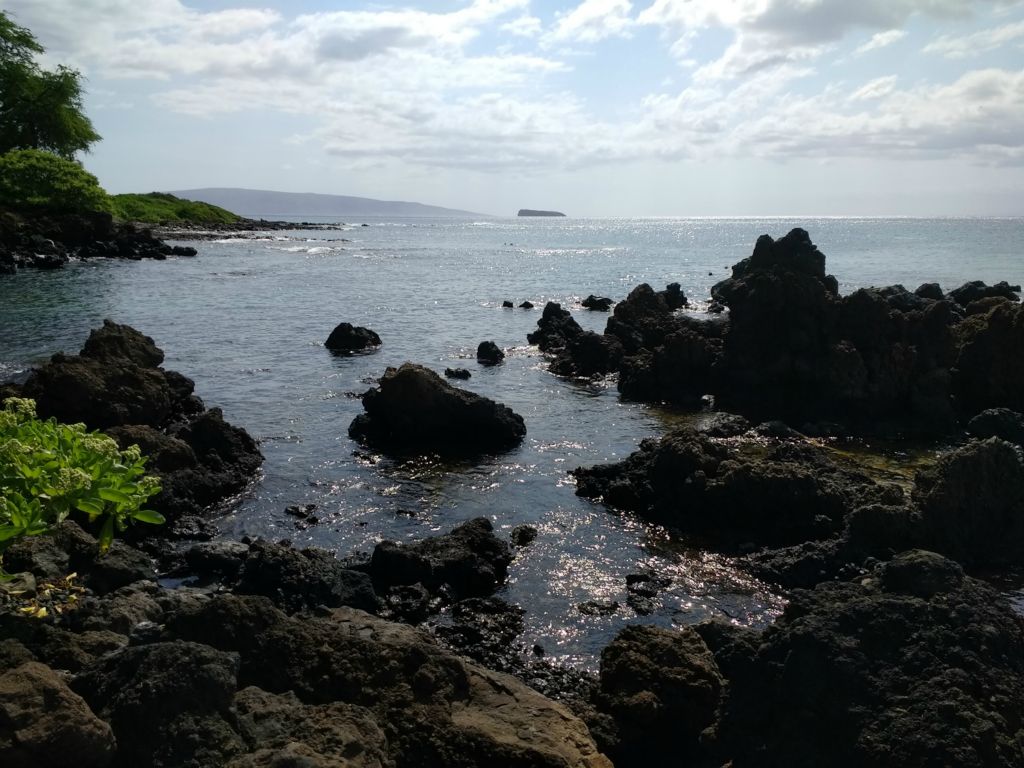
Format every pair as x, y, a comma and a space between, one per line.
881, 40
524, 26
875, 89
977, 43
594, 20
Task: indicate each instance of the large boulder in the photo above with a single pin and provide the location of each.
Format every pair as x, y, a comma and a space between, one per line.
662, 688
913, 665
415, 411
346, 339
43, 724
433, 708
555, 329
470, 561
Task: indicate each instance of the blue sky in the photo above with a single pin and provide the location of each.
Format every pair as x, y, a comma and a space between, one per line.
595, 107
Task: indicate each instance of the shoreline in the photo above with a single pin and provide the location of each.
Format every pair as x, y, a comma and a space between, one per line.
707, 694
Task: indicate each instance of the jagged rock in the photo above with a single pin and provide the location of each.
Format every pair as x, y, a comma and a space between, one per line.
434, 708
555, 329
523, 535
971, 504
916, 666
526, 305
597, 304
43, 724
663, 689
347, 339
489, 353
725, 425
470, 561
307, 578
989, 369
457, 373
416, 411
507, 304
588, 354
976, 290
998, 422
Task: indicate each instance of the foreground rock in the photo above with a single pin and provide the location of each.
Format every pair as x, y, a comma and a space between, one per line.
916, 665
347, 339
116, 384
414, 411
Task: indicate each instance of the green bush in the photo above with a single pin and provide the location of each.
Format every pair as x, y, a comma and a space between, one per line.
50, 470
34, 179
162, 208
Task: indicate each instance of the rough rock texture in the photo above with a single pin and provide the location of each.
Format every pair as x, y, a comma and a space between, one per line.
989, 369
734, 501
49, 241
347, 339
116, 384
663, 688
43, 724
555, 329
305, 578
415, 411
433, 708
976, 290
972, 504
998, 422
917, 665
468, 562
597, 303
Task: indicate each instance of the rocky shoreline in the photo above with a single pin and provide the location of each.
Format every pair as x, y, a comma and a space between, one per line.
183, 650
246, 228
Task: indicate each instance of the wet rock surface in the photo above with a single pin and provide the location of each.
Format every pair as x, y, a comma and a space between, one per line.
415, 411
347, 339
116, 384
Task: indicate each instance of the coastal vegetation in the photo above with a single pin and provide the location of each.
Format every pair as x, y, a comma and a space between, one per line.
49, 471
163, 208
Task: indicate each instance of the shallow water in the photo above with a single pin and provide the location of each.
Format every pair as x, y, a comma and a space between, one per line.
247, 319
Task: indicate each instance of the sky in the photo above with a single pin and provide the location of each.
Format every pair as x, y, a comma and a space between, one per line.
592, 107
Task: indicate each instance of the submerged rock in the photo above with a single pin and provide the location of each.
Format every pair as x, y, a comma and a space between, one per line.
414, 411
597, 303
457, 373
347, 339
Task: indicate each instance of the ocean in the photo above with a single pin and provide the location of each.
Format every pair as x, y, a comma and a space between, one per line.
246, 319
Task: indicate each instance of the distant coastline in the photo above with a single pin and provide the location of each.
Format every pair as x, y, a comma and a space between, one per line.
531, 212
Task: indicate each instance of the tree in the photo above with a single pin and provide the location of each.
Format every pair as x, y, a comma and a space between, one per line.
39, 109
34, 179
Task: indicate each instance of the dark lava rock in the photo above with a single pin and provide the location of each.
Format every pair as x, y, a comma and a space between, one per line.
588, 354
998, 422
931, 291
489, 353
691, 483
116, 384
470, 561
597, 304
918, 666
526, 305
485, 629
415, 411
217, 559
523, 535
971, 504
346, 339
968, 293
725, 425
989, 369
457, 373
596, 608
169, 703
663, 688
507, 304
296, 579
555, 328
43, 724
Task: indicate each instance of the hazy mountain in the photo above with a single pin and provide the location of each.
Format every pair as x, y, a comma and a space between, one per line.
260, 203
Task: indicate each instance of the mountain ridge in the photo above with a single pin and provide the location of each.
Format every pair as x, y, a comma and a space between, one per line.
264, 203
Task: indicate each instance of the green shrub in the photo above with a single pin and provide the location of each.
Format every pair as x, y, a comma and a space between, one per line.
162, 208
34, 179
50, 470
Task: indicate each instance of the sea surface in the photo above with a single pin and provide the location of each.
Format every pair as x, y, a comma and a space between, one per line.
246, 319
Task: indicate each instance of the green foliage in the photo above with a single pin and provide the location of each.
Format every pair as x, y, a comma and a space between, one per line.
31, 178
50, 470
161, 208
39, 109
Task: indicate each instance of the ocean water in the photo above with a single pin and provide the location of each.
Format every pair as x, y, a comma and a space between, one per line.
246, 319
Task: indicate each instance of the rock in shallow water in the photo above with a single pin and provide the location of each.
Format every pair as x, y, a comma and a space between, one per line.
346, 339
414, 412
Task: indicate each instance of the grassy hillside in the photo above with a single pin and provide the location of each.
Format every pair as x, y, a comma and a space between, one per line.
161, 208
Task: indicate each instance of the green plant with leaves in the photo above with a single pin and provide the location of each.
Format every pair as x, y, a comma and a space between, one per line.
50, 470
36, 180
39, 108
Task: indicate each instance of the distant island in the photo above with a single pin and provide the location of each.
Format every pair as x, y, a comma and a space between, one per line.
529, 212
261, 203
